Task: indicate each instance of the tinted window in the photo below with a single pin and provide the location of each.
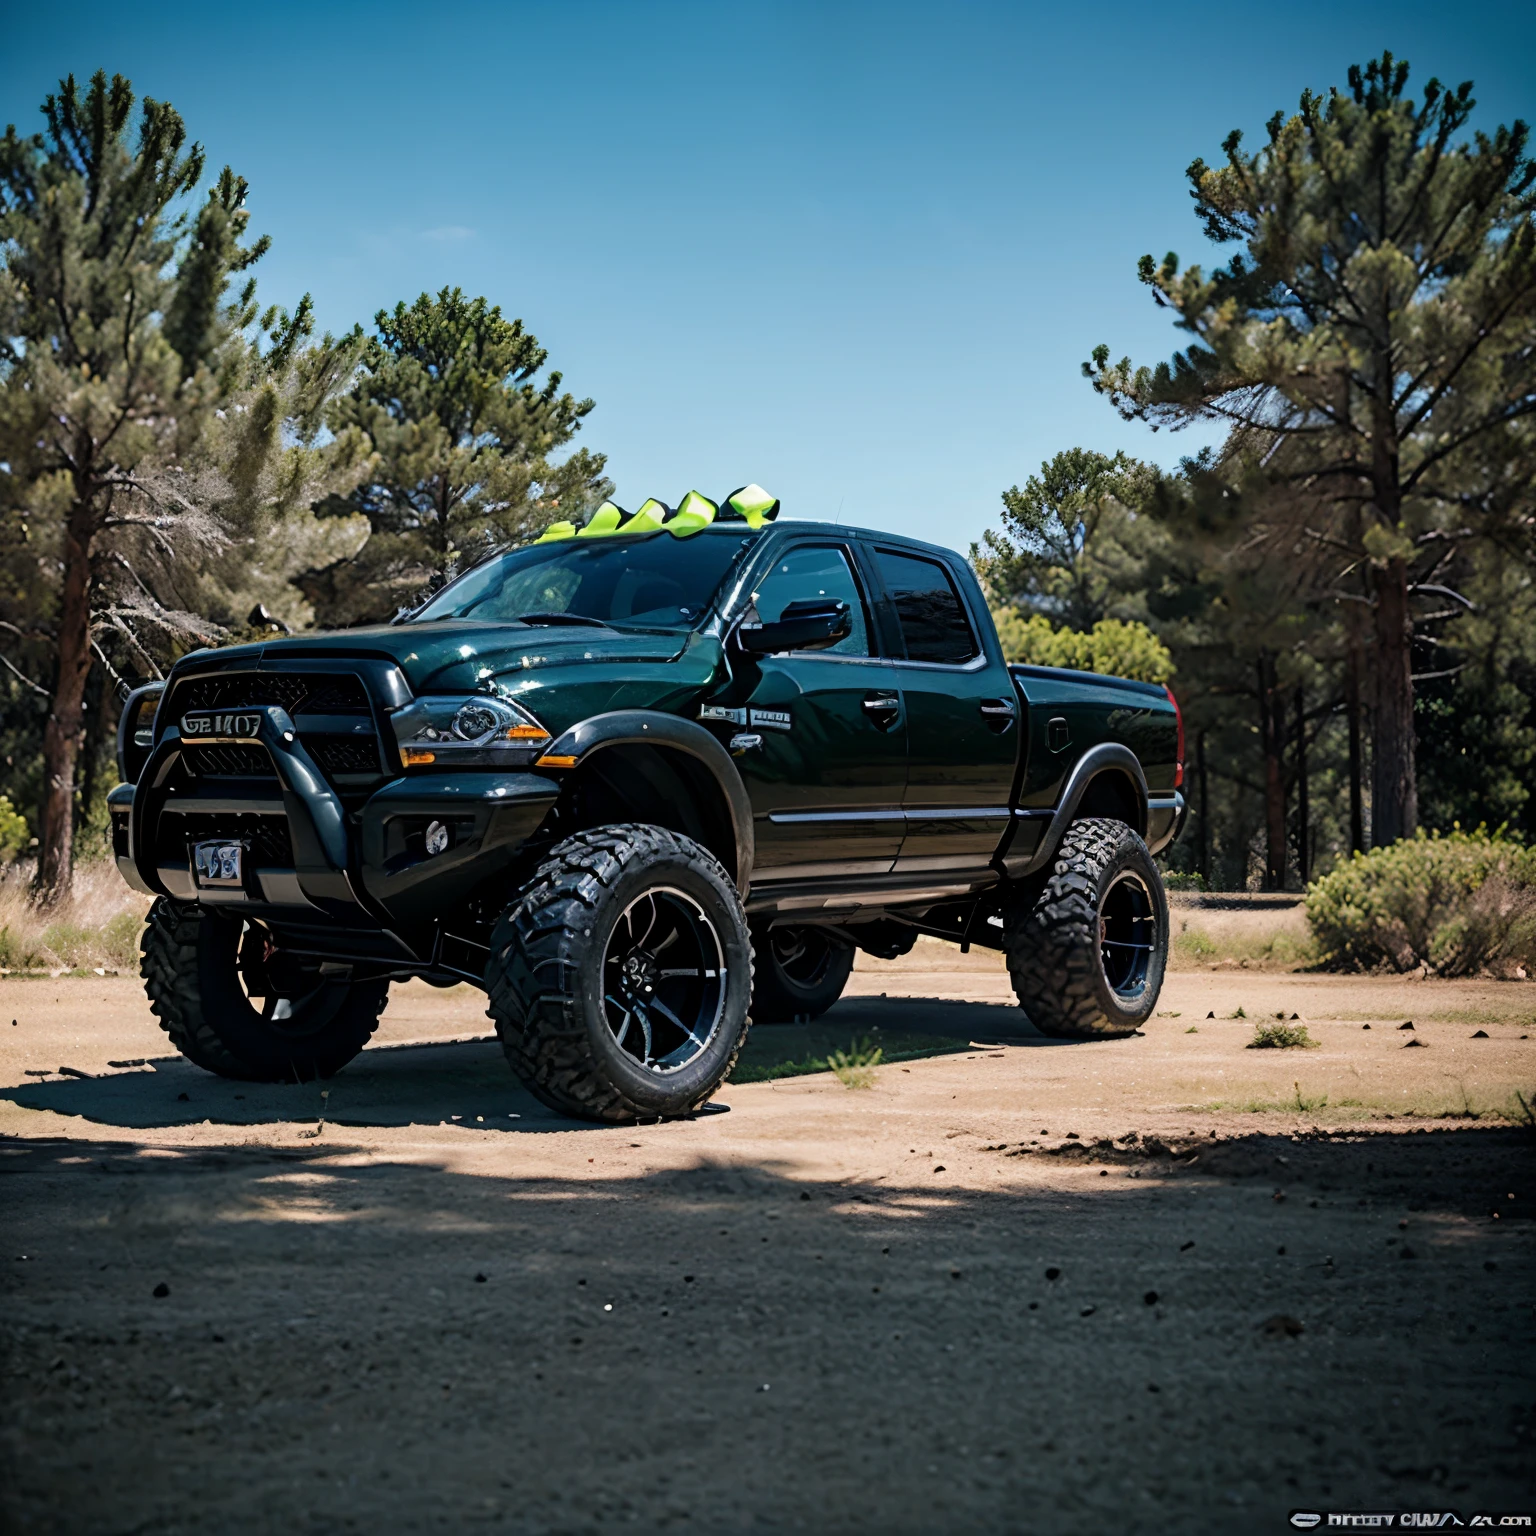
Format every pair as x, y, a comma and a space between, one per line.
650, 580
813, 570
932, 617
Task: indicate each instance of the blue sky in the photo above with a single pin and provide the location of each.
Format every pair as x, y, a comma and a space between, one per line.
855, 253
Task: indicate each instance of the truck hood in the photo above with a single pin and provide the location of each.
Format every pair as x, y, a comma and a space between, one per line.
458, 655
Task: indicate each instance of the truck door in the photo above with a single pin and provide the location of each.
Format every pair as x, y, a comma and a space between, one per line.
827, 777
962, 715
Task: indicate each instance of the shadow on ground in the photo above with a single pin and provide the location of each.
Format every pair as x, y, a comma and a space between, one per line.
254, 1339
468, 1082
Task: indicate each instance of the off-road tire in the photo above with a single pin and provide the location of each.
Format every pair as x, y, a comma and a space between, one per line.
1056, 959
189, 965
544, 976
778, 995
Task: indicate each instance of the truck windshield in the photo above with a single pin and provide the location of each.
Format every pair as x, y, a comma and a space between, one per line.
650, 581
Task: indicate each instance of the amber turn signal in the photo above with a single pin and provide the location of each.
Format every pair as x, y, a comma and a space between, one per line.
414, 759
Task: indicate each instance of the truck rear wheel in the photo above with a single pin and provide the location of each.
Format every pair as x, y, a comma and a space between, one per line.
619, 979
1088, 958
798, 973
234, 1006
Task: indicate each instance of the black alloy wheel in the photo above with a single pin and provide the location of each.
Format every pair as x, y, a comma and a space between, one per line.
1127, 934
664, 980
801, 972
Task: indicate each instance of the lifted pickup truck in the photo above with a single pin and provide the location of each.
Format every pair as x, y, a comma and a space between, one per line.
599, 774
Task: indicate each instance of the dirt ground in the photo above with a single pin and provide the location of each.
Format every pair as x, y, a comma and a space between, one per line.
1162, 1284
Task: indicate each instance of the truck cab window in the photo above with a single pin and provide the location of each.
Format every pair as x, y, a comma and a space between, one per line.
928, 608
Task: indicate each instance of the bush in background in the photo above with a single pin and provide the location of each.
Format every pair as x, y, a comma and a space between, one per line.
1456, 904
1117, 647
14, 833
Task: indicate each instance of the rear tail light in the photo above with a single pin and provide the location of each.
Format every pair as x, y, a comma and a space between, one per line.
1178, 715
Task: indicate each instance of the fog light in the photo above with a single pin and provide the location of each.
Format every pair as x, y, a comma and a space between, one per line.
437, 837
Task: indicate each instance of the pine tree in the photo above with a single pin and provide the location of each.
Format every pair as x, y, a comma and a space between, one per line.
1373, 350
462, 437
145, 437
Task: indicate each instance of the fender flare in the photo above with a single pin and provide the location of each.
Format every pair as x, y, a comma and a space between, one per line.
1108, 756
645, 727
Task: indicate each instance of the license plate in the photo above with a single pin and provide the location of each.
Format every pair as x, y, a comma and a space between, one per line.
217, 864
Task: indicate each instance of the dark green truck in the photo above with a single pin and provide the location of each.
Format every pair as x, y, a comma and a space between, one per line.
602, 774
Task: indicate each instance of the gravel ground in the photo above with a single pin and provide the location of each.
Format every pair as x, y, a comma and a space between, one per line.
1165, 1284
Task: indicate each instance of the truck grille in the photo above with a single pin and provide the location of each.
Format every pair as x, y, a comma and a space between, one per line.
344, 754
305, 695
228, 761
310, 693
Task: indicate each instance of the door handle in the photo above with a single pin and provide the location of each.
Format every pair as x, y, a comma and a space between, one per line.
883, 708
999, 715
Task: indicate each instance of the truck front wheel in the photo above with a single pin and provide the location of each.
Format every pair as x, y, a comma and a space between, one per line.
1087, 959
799, 973
619, 979
235, 1005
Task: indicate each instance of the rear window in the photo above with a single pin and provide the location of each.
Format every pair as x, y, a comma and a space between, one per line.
928, 608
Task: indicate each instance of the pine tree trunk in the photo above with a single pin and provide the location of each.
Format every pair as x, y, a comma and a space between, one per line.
1356, 756
1394, 778
1272, 732
1205, 811
66, 719
1303, 815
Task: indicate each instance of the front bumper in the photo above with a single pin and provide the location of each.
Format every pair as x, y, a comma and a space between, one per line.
309, 858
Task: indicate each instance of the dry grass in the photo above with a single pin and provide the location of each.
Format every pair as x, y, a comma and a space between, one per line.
1261, 939
96, 929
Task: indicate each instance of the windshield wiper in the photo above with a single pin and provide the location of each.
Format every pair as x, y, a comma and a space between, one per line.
561, 618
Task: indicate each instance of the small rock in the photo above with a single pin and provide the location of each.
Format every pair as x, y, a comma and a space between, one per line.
804, 1195
479, 1279
183, 1098
1481, 1034
1281, 1250
1295, 1015
1185, 1247
1103, 1173
1282, 1326
687, 1279
1408, 1025
954, 1274
1152, 1386
1073, 1136
161, 1291
1150, 1298
939, 1168
1211, 1014
1408, 1043
1279, 1196
1087, 1311
1053, 1273
1365, 1026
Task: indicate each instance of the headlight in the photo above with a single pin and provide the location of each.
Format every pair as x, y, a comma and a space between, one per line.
481, 731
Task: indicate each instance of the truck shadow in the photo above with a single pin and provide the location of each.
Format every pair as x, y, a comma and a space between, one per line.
468, 1082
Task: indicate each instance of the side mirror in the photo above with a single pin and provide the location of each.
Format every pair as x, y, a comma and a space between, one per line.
136, 731
812, 624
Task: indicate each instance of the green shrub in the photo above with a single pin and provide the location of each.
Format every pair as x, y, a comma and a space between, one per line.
1281, 1037
14, 835
1114, 646
1456, 904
